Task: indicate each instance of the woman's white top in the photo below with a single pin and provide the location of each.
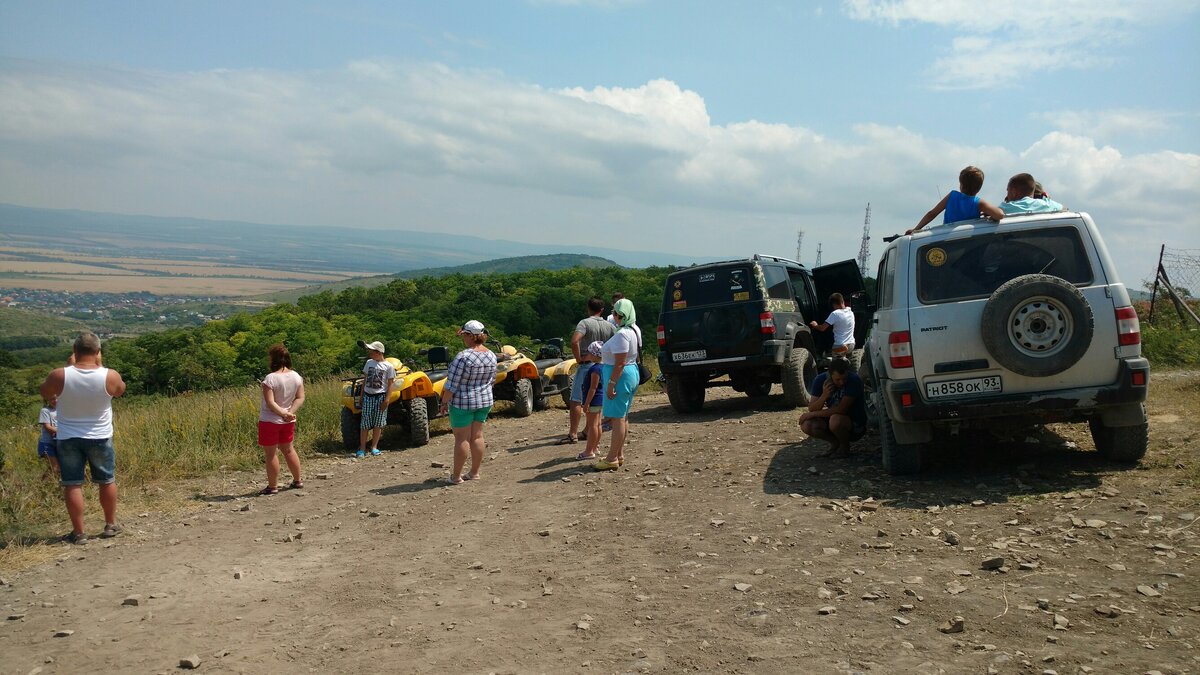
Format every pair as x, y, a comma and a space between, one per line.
624, 342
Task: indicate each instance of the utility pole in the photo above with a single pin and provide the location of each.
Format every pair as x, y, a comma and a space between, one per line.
864, 251
818, 264
799, 245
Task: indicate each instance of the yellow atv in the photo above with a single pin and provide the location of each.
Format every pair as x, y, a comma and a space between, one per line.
555, 374
407, 405
516, 375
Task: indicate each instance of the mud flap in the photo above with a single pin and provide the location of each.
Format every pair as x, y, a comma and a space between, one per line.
910, 433
1127, 415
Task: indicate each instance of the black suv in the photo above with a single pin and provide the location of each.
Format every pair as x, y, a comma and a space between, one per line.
748, 320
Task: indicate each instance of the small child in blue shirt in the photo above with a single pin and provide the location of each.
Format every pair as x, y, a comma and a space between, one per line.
963, 203
47, 446
593, 399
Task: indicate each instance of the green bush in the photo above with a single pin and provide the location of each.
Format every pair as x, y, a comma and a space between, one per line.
1169, 342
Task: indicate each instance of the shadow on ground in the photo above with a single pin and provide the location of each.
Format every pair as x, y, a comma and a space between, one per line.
408, 488
961, 469
713, 410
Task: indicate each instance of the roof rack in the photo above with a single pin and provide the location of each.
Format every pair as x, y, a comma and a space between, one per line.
759, 256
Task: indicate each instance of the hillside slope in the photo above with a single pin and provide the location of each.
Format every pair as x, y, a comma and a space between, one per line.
555, 261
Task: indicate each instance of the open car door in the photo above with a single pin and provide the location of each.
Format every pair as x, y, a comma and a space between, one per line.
844, 277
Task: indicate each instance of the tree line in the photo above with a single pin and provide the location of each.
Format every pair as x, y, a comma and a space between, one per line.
321, 330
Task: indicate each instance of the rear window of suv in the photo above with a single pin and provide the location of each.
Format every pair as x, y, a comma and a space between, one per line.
976, 266
700, 288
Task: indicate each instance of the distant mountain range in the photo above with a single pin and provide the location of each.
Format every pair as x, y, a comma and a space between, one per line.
279, 246
559, 261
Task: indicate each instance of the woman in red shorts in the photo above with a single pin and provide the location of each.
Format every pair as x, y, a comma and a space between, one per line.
282, 394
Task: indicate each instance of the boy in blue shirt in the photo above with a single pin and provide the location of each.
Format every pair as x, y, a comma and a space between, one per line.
593, 398
963, 203
48, 425
838, 411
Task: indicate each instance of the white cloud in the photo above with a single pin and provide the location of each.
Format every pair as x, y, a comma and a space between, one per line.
1112, 123
1011, 41
424, 146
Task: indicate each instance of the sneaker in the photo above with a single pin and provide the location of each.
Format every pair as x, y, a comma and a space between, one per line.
111, 530
375, 452
360, 454
76, 538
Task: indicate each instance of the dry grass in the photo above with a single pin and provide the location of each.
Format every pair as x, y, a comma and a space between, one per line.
208, 286
78, 272
43, 267
158, 442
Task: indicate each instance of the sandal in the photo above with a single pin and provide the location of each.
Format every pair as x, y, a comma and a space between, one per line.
467, 476
585, 455
296, 485
452, 480
567, 440
605, 465
269, 490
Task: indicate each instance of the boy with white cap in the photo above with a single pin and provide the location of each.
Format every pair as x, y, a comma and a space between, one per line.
378, 376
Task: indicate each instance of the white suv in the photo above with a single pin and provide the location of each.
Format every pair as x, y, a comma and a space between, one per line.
984, 324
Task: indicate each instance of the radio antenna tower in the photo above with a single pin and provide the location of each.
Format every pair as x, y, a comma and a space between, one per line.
818, 263
799, 244
864, 251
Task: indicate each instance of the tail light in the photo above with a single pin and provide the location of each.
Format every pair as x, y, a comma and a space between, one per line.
662, 336
1129, 331
766, 321
900, 349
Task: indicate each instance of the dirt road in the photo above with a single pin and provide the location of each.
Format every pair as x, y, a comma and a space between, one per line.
715, 549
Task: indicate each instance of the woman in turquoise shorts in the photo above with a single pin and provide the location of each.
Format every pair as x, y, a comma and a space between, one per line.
619, 361
467, 396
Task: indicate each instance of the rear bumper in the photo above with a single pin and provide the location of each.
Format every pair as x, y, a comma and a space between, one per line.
773, 354
1059, 404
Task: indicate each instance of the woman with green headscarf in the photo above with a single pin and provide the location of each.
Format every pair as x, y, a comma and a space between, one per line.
618, 360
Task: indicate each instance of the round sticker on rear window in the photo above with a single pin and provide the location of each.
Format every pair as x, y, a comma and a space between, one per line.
935, 257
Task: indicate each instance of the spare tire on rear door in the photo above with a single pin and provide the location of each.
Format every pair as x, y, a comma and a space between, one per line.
1037, 325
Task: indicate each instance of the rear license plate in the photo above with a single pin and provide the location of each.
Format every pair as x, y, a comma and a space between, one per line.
689, 356
977, 385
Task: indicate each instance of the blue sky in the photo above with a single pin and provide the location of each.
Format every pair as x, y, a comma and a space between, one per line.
709, 128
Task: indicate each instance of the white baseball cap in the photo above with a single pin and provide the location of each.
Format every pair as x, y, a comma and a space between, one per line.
373, 346
472, 327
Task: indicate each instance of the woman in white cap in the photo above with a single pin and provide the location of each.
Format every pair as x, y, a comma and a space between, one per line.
467, 396
619, 360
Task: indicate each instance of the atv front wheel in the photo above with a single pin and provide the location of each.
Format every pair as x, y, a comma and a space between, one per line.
523, 398
350, 429
418, 422
566, 392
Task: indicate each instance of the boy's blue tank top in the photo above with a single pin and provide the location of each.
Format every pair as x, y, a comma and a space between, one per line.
961, 207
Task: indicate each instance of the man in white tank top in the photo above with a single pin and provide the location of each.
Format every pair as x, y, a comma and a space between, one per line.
85, 390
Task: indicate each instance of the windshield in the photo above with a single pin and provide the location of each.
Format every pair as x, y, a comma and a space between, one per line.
710, 287
978, 265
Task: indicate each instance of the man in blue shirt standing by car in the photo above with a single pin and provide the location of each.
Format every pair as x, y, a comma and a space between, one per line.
837, 412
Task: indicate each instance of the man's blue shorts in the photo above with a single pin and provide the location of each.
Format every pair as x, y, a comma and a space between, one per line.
97, 453
579, 382
47, 449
